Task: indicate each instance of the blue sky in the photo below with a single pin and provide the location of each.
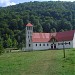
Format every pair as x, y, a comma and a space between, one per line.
4, 3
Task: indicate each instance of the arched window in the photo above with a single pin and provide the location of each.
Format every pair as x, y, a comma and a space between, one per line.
43, 44
69, 43
29, 45
36, 44
29, 28
47, 44
40, 44
29, 40
28, 32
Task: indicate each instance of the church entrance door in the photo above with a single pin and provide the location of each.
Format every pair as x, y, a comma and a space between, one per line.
54, 46
51, 46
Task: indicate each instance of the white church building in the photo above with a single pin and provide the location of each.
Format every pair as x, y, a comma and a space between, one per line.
45, 41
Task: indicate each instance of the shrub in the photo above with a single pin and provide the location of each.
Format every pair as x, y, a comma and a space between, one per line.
1, 49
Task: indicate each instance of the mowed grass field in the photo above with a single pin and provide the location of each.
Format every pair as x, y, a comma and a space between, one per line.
50, 62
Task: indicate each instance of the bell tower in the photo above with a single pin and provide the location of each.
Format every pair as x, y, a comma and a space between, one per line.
29, 32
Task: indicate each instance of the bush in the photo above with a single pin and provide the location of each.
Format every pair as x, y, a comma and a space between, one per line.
1, 49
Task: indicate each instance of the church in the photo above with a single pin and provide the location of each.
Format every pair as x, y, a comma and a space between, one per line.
47, 41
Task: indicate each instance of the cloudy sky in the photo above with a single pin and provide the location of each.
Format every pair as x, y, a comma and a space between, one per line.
4, 3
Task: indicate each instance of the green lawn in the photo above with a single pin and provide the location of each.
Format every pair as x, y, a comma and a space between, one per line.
50, 62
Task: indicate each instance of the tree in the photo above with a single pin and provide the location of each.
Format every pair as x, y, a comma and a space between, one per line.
53, 30
45, 17
14, 43
13, 24
20, 24
1, 49
61, 30
1, 45
9, 42
37, 26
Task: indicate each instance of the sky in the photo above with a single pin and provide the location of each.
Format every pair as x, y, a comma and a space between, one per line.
4, 3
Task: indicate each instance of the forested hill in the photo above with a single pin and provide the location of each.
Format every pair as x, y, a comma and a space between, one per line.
45, 16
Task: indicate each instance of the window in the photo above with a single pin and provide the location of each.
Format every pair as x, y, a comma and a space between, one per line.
31, 28
29, 40
36, 44
69, 43
28, 32
47, 44
62, 43
40, 44
43, 44
58, 43
51, 44
29, 45
27, 28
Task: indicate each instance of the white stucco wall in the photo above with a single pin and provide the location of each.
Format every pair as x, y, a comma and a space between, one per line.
38, 47
29, 31
65, 45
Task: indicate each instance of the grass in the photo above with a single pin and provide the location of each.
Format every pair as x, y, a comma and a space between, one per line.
50, 62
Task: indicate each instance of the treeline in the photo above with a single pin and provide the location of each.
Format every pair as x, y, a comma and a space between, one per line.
45, 16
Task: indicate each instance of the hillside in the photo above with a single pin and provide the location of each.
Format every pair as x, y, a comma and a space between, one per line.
45, 16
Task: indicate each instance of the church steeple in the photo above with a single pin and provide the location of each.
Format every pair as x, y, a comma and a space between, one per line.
29, 31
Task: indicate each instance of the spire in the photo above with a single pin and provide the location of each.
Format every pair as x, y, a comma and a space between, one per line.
29, 24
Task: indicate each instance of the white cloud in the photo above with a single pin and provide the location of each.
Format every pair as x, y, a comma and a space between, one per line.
6, 3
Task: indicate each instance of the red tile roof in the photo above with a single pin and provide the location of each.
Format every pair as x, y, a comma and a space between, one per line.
46, 37
29, 24
41, 37
65, 36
